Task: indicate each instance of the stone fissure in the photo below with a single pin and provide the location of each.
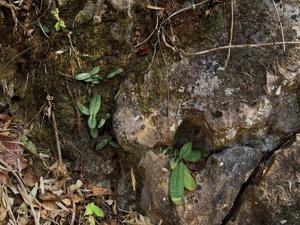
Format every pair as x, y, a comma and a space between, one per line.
253, 175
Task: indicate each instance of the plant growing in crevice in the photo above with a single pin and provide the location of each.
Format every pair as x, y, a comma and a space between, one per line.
181, 177
91, 112
106, 141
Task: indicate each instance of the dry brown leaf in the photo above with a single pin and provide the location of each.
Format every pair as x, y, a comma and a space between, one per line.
10, 151
97, 190
77, 198
4, 178
48, 196
29, 178
66, 201
75, 187
49, 206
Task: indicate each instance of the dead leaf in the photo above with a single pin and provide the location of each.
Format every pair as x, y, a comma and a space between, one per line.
75, 187
66, 201
29, 178
98, 191
48, 196
10, 150
49, 206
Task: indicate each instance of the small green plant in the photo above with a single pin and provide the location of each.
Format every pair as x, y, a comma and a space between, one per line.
106, 141
181, 178
93, 77
60, 24
92, 211
90, 77
91, 112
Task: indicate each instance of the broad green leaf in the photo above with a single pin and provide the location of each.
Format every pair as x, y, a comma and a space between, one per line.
92, 122
114, 73
185, 150
82, 76
61, 24
173, 163
196, 155
102, 144
189, 182
89, 209
113, 144
98, 211
94, 132
101, 123
95, 105
176, 184
84, 110
94, 71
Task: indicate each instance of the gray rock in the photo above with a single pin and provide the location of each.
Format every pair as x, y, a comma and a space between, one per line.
275, 199
218, 186
253, 101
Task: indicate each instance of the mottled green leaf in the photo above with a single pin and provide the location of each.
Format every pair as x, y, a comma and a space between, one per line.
89, 209
173, 163
102, 144
94, 132
92, 122
98, 211
196, 155
113, 144
84, 110
82, 76
101, 123
189, 182
94, 71
176, 184
185, 150
114, 73
95, 105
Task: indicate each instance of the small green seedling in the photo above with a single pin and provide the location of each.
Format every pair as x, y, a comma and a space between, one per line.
60, 24
181, 177
106, 141
90, 77
93, 77
91, 112
93, 211
114, 73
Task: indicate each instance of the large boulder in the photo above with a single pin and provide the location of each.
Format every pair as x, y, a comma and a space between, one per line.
275, 198
253, 101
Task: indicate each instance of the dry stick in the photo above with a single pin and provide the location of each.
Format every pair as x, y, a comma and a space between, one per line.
58, 147
280, 24
240, 46
231, 35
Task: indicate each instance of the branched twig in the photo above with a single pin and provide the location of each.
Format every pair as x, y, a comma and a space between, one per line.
280, 24
268, 44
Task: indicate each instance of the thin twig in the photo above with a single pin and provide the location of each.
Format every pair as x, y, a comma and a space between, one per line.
193, 6
13, 58
150, 35
58, 147
240, 46
231, 35
280, 24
